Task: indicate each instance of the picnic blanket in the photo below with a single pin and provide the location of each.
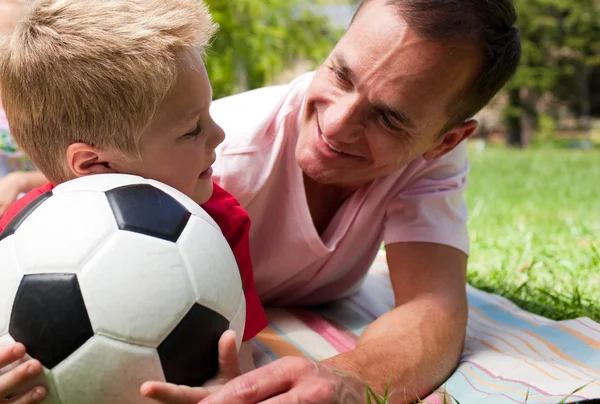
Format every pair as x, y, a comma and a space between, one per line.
510, 355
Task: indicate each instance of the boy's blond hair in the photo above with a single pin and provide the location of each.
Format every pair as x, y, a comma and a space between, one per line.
93, 71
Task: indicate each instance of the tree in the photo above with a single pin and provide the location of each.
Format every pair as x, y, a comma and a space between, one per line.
580, 46
538, 71
561, 44
257, 39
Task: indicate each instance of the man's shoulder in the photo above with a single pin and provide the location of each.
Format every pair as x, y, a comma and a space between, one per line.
248, 117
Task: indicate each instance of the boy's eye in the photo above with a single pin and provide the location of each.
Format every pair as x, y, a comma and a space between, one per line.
193, 133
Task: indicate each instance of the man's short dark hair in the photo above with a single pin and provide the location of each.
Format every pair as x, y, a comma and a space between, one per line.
488, 24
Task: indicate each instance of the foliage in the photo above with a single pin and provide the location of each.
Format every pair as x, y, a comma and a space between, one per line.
560, 45
257, 39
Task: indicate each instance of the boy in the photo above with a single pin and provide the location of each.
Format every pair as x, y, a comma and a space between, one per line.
17, 173
118, 86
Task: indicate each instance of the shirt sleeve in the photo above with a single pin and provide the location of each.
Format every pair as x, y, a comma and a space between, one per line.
235, 226
239, 239
19, 204
431, 208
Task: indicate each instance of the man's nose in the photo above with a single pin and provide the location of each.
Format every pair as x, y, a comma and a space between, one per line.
343, 120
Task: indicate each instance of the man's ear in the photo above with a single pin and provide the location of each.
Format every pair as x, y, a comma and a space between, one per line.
86, 160
451, 139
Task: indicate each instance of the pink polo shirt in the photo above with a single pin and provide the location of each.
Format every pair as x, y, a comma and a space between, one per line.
292, 263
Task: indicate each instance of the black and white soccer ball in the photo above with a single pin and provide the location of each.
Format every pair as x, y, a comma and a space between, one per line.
113, 280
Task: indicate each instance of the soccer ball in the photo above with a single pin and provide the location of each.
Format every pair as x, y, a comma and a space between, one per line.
112, 280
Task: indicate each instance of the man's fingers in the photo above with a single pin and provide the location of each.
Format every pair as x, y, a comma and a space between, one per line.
254, 387
229, 363
172, 394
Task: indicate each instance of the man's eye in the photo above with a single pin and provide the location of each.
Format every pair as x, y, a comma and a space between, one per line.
388, 122
339, 75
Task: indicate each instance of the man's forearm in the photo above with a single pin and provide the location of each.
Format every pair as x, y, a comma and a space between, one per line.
416, 347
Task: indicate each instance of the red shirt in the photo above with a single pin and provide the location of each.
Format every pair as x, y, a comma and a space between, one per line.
235, 225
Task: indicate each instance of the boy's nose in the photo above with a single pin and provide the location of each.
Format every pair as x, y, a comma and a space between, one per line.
218, 135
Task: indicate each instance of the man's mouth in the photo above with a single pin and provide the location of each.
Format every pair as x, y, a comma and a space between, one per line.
332, 147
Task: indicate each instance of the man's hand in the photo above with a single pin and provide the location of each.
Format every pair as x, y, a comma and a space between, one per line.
291, 380
229, 368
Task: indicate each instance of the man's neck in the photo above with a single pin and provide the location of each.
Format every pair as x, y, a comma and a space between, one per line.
324, 200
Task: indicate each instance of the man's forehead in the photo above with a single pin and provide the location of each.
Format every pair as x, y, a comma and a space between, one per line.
402, 69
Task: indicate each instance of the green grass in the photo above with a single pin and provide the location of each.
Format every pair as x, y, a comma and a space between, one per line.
535, 229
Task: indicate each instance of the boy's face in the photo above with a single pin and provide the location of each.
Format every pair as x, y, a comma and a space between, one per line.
178, 147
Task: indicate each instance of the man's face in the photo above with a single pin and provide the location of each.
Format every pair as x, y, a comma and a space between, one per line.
381, 100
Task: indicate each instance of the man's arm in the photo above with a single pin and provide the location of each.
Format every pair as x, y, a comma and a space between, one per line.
418, 344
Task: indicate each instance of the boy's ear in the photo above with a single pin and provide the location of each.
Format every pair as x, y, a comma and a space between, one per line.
84, 160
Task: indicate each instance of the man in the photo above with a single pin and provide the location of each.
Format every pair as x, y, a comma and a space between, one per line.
370, 148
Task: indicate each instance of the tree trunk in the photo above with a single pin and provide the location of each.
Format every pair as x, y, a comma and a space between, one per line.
529, 115
514, 118
584, 93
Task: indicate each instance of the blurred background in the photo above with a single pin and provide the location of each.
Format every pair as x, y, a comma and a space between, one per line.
555, 96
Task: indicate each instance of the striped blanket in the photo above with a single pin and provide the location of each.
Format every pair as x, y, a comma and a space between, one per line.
510, 356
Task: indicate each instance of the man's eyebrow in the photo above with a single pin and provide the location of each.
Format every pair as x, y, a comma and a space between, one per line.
396, 114
341, 63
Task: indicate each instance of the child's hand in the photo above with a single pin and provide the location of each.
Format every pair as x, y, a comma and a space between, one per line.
12, 383
10, 187
16, 182
229, 368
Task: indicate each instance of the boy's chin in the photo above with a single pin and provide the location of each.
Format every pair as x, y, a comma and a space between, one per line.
203, 191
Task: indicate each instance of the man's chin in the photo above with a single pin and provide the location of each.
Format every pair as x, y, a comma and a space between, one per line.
319, 174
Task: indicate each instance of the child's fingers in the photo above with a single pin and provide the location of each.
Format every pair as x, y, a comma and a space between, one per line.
229, 364
11, 353
172, 394
34, 395
10, 381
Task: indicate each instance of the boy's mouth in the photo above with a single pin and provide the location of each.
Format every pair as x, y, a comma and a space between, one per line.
206, 173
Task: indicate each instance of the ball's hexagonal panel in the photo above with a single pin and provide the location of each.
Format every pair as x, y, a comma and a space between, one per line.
186, 201
23, 214
98, 183
44, 379
136, 289
105, 371
189, 355
212, 267
49, 317
10, 277
145, 209
64, 232
238, 322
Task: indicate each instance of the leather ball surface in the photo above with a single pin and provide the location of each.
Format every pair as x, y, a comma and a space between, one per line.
112, 280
